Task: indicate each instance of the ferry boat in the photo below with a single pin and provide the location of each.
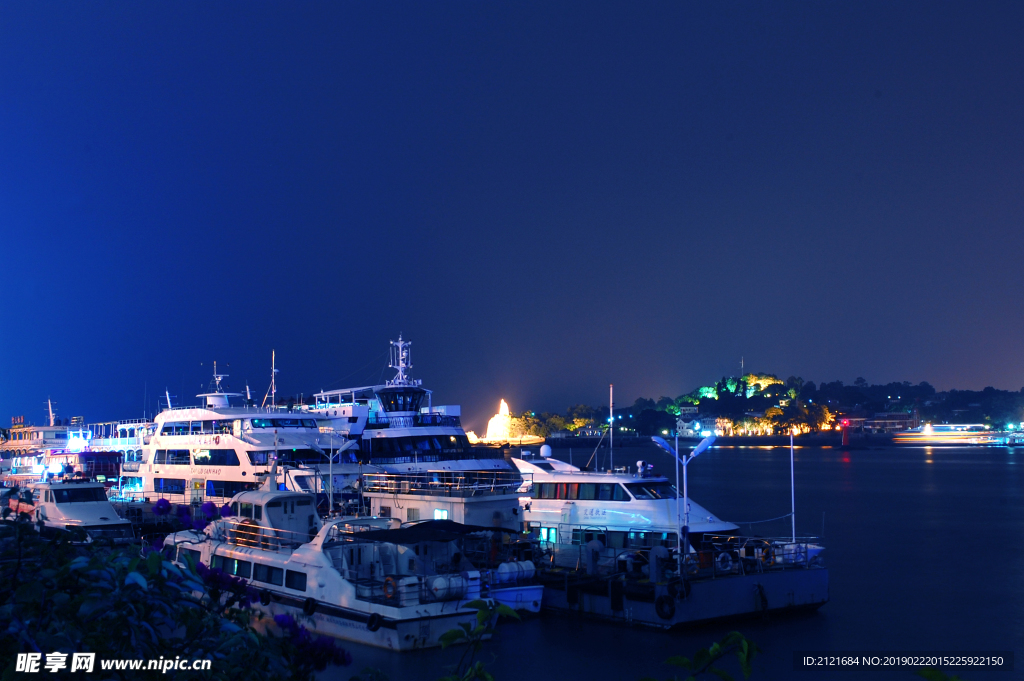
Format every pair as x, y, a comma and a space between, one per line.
214, 451
396, 589
61, 505
568, 508
398, 428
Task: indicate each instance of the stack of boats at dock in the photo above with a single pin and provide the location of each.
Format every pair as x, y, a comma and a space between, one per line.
369, 514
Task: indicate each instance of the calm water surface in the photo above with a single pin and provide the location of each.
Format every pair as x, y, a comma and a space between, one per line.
924, 549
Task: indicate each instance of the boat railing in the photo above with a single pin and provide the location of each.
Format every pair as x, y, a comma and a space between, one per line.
444, 483
250, 534
721, 555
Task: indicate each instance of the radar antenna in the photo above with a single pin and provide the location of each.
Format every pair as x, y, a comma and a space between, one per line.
401, 360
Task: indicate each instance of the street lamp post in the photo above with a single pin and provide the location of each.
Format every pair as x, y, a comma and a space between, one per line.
683, 529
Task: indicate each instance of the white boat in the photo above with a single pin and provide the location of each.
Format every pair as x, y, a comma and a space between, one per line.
64, 505
567, 508
364, 586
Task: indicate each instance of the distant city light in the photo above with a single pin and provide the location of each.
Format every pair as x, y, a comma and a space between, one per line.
705, 433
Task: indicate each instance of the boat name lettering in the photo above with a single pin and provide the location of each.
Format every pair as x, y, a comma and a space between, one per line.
594, 513
196, 470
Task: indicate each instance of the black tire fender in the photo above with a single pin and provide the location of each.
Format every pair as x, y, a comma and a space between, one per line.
264, 597
373, 624
309, 607
665, 607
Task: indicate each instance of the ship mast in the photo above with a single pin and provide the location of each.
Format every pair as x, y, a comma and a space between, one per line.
272, 390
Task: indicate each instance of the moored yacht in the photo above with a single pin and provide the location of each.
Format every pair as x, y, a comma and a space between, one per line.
61, 505
568, 508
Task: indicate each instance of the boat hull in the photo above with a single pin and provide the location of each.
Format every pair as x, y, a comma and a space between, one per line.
407, 633
711, 599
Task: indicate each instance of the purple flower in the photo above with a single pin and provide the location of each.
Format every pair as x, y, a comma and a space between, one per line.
181, 510
226, 511
209, 509
162, 507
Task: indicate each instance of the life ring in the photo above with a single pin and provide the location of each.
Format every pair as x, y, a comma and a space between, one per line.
373, 624
264, 597
216, 440
768, 556
390, 588
309, 607
724, 562
665, 607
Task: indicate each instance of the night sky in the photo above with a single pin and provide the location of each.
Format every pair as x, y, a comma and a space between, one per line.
546, 198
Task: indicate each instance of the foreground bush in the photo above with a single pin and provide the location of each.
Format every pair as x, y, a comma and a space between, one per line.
59, 596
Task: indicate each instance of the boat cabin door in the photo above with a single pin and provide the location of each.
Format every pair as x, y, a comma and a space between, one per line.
197, 491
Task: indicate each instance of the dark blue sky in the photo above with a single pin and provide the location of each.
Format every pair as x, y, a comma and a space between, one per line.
545, 199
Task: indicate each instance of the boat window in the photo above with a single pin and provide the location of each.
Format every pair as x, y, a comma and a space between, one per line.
197, 428
232, 566
257, 512
440, 514
177, 457
282, 423
301, 456
268, 574
131, 483
175, 428
573, 490
385, 511
216, 457
549, 534
169, 485
185, 554
228, 488
544, 490
303, 482
295, 580
587, 490
652, 490
303, 502
273, 504
73, 495
261, 457
245, 509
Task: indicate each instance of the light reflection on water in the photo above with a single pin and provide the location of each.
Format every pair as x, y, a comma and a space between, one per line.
923, 549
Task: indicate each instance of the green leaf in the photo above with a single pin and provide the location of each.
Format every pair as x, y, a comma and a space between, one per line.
505, 611
450, 637
153, 562
721, 673
477, 605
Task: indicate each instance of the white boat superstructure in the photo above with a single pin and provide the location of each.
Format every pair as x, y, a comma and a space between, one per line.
343, 578
214, 451
567, 508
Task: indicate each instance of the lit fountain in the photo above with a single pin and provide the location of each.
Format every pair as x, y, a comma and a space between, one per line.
499, 429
